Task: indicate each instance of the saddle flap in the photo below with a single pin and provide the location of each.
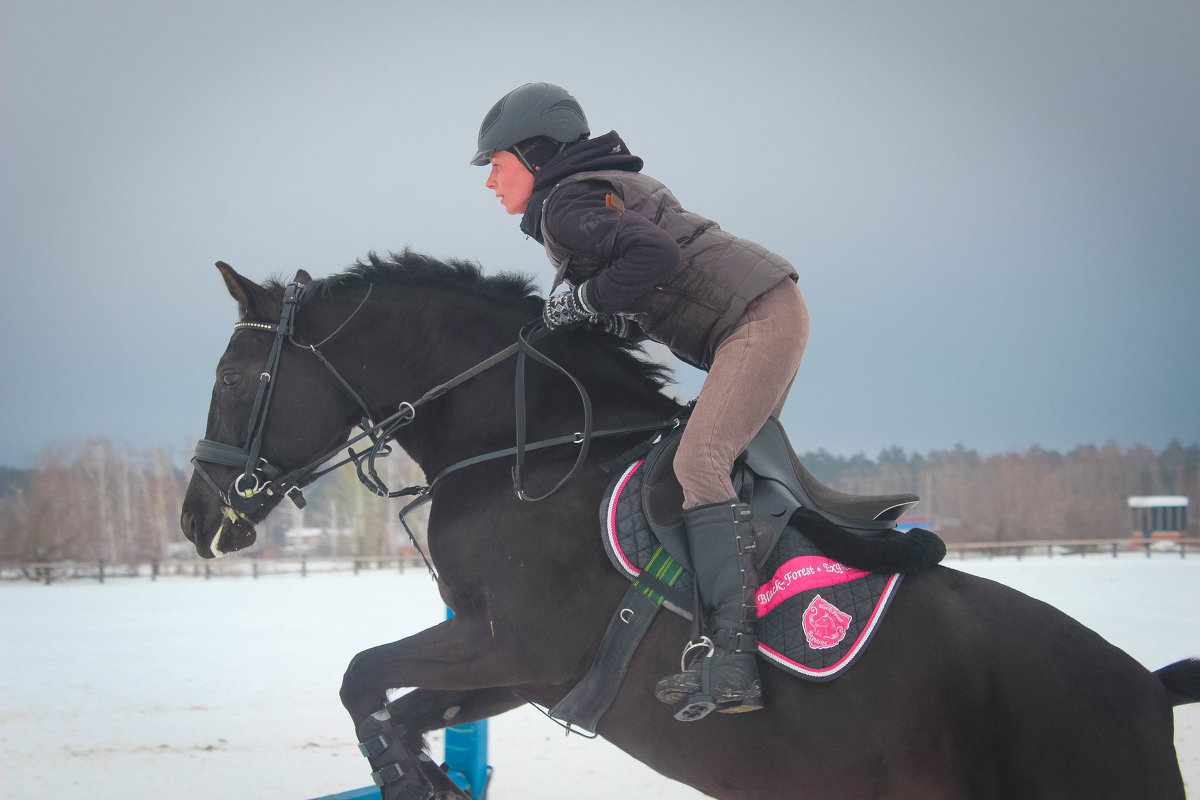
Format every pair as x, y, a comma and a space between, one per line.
662, 502
662, 496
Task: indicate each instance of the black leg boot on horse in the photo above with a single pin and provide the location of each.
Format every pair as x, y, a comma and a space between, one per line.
724, 677
400, 766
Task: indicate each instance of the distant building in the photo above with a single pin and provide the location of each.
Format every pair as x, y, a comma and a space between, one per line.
1160, 516
317, 541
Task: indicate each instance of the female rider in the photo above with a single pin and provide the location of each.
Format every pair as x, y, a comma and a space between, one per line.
630, 252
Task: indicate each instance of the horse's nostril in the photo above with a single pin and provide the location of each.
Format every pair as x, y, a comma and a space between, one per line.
188, 523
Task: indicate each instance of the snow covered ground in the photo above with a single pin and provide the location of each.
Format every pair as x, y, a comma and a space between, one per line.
228, 688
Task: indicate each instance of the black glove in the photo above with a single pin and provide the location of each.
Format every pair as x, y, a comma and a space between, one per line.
567, 308
615, 324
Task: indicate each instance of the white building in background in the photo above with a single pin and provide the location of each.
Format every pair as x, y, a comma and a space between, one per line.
1159, 516
318, 541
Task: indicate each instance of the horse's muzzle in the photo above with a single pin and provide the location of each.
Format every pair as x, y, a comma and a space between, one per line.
232, 533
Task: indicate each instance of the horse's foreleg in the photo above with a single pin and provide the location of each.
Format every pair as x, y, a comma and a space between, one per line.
460, 668
460, 653
423, 710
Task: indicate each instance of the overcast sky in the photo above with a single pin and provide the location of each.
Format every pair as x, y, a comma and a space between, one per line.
994, 208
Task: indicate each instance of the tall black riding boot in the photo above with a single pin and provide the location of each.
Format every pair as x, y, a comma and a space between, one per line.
725, 676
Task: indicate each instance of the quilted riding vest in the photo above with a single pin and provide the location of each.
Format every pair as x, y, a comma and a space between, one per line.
719, 274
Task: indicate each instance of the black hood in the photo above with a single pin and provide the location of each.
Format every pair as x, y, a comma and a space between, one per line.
600, 152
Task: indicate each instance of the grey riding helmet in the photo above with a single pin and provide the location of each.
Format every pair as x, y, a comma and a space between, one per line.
535, 109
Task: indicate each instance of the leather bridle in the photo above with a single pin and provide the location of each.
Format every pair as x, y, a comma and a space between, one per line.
260, 480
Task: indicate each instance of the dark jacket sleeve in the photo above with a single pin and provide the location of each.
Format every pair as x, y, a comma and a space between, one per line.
636, 253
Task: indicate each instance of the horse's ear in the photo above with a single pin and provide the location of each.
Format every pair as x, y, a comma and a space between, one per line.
246, 292
302, 278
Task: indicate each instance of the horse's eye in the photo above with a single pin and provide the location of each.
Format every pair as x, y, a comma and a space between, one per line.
230, 378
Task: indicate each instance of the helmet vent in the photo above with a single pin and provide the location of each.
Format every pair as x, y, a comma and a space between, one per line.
491, 117
568, 103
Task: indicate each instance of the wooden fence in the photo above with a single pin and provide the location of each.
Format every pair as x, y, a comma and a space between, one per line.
228, 567
1082, 548
408, 559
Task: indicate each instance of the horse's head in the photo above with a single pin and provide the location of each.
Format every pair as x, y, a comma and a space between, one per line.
279, 410
274, 409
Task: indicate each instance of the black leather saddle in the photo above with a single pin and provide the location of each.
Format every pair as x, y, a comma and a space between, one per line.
769, 477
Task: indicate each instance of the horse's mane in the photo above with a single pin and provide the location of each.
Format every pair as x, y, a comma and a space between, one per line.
409, 266
506, 287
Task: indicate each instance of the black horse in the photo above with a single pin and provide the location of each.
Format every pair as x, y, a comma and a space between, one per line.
969, 689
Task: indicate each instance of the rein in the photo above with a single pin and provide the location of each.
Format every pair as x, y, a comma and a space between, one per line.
264, 480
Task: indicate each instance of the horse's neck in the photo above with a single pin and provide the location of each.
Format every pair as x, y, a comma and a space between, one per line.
399, 361
477, 416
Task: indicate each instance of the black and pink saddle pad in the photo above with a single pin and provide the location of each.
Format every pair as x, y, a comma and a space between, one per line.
815, 615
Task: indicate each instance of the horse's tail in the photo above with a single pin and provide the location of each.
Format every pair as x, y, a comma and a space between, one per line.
1182, 681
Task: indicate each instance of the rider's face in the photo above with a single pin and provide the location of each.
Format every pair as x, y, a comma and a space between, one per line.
511, 182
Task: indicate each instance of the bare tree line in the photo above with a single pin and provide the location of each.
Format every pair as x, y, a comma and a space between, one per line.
106, 502
100, 501
1035, 495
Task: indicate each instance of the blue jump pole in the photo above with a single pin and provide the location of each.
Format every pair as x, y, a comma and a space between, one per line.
466, 754
365, 793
